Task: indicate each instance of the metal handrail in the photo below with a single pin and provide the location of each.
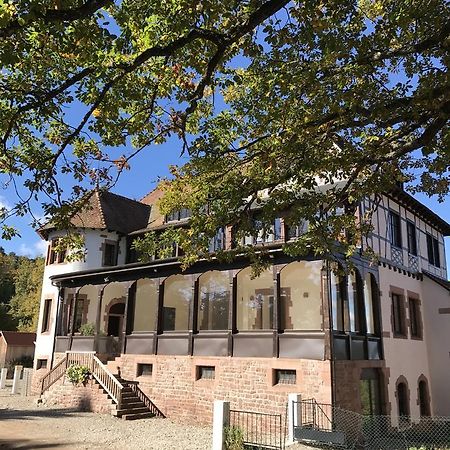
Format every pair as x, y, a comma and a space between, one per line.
54, 375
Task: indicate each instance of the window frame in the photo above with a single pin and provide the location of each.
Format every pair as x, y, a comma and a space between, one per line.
45, 328
398, 315
433, 251
395, 229
415, 318
285, 377
411, 234
115, 253
202, 370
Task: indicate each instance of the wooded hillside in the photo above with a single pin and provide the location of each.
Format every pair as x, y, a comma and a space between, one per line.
20, 291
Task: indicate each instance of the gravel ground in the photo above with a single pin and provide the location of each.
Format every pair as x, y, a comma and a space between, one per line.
24, 425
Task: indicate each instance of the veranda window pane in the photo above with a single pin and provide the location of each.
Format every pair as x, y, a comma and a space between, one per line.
255, 300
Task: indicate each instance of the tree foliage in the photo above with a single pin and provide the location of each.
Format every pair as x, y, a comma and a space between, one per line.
20, 292
270, 99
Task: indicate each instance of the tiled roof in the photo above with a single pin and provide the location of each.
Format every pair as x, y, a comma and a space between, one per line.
105, 210
444, 283
16, 338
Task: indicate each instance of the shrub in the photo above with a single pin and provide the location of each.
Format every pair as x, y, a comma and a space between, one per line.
77, 374
234, 438
87, 329
25, 361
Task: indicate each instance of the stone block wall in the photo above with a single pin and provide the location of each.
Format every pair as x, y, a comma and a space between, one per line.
348, 374
248, 383
90, 397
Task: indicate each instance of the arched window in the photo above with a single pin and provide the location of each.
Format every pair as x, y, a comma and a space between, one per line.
214, 293
113, 294
255, 300
145, 304
177, 301
402, 399
300, 289
424, 398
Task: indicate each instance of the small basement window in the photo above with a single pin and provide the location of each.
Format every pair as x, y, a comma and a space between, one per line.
41, 364
145, 370
285, 376
206, 372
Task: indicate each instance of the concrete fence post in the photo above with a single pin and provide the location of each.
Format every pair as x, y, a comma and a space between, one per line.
3, 375
221, 418
294, 415
16, 379
26, 382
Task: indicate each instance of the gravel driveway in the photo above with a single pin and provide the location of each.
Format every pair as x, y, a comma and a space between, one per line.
24, 425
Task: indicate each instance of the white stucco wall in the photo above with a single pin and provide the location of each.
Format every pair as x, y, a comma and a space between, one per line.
404, 357
93, 260
437, 331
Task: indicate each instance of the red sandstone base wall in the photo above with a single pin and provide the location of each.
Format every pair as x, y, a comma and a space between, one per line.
248, 383
89, 397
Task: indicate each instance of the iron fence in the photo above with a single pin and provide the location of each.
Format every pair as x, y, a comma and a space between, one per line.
326, 426
260, 431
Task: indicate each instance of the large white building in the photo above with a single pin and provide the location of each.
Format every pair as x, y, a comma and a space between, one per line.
374, 341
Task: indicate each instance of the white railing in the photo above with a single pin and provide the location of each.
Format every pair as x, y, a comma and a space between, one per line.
107, 380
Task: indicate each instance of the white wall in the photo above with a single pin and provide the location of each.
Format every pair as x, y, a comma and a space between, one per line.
93, 260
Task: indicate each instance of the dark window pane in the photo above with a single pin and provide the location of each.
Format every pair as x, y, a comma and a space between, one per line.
206, 372
109, 254
437, 260
397, 314
414, 317
396, 232
402, 398
78, 321
46, 316
412, 240
430, 249
144, 369
285, 376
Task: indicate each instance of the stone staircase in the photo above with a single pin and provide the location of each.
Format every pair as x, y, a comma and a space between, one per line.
104, 392
132, 407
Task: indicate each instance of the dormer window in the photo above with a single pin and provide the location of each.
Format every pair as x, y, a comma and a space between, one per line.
180, 214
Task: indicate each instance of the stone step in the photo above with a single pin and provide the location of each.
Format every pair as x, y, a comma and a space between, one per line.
143, 415
128, 411
128, 394
132, 401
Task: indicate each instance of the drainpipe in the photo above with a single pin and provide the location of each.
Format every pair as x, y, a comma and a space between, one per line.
330, 328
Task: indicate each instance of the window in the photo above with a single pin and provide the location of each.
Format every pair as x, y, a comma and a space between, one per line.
285, 376
144, 305
369, 391
371, 304
398, 315
300, 300
433, 251
79, 312
214, 291
395, 229
414, 318
295, 231
218, 241
402, 400
255, 300
339, 304
46, 315
144, 370
177, 215
412, 239
424, 399
55, 256
206, 372
41, 364
109, 254
264, 234
177, 301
